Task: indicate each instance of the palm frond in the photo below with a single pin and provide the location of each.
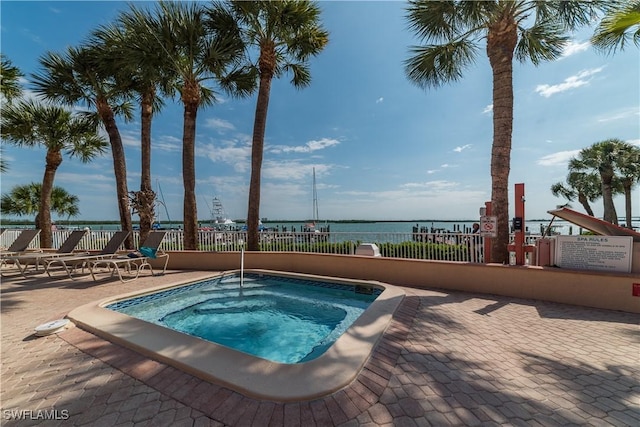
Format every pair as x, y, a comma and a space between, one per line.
435, 65
240, 82
300, 74
544, 41
10, 86
616, 29
433, 21
559, 190
576, 13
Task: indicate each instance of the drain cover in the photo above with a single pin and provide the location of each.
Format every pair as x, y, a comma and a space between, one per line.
52, 327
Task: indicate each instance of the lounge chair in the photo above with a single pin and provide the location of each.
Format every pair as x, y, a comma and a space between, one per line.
22, 262
134, 262
70, 263
21, 243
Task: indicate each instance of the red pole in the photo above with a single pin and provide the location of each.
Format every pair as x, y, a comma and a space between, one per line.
519, 222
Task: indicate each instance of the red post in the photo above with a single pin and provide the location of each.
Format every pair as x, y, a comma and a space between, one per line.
519, 222
487, 240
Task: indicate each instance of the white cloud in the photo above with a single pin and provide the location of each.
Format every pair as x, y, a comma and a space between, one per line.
379, 100
27, 33
557, 159
487, 109
219, 124
309, 147
574, 47
166, 143
292, 170
619, 115
571, 82
433, 186
129, 138
460, 149
105, 183
235, 152
414, 198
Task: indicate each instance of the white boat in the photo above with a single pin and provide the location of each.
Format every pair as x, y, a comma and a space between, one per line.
219, 219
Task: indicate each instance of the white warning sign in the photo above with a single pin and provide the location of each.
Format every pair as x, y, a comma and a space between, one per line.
488, 226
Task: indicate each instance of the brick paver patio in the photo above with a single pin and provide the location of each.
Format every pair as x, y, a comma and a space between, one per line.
447, 359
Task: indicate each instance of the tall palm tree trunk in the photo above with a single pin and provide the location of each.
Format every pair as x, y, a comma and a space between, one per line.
191, 100
627, 184
267, 65
119, 167
257, 150
501, 42
145, 210
43, 221
585, 203
609, 214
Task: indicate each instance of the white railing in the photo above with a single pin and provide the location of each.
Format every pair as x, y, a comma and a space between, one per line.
435, 246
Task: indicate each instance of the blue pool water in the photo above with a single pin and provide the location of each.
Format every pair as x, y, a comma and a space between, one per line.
283, 319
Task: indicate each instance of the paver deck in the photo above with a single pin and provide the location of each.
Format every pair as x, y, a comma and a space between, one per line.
448, 358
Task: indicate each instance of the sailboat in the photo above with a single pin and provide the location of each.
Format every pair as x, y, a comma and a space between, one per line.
313, 225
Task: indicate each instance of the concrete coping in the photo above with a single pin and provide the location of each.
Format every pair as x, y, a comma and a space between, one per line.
247, 374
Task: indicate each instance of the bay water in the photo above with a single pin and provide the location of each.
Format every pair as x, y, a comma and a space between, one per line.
533, 227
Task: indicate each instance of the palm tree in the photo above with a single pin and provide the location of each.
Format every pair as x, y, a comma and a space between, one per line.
76, 77
620, 23
198, 48
29, 124
453, 32
583, 186
24, 200
10, 87
627, 165
601, 158
286, 34
131, 54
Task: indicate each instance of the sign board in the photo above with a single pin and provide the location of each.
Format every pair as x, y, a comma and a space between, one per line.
489, 226
604, 253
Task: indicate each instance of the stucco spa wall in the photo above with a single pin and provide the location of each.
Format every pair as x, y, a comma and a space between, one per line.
591, 289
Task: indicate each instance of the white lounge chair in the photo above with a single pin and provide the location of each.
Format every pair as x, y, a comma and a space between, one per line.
22, 262
134, 262
72, 262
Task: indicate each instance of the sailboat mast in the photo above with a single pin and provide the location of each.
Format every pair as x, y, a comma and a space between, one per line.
315, 198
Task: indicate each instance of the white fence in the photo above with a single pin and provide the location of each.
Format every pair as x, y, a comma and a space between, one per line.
435, 246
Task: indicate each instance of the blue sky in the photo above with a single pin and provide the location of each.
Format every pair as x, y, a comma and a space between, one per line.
382, 148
